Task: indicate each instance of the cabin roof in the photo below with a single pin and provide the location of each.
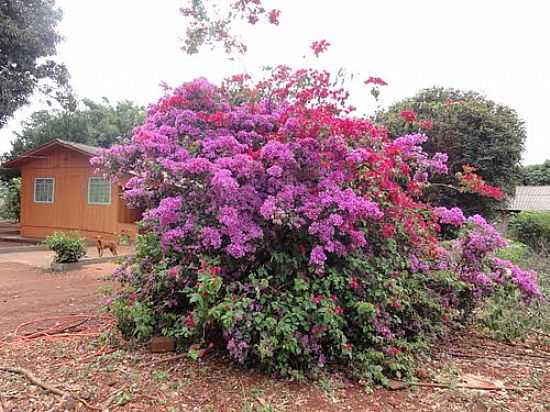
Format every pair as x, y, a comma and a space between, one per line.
34, 153
530, 198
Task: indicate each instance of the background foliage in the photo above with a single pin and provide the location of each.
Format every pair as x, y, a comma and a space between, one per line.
536, 175
532, 229
10, 201
28, 36
94, 123
472, 130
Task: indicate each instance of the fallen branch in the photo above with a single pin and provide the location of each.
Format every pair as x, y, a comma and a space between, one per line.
169, 359
50, 388
55, 330
28, 374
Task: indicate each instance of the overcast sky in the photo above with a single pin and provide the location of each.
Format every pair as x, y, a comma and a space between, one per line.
123, 49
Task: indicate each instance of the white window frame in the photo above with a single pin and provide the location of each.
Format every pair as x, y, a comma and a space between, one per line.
90, 186
34, 190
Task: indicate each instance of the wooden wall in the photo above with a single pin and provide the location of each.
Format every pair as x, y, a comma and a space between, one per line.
70, 210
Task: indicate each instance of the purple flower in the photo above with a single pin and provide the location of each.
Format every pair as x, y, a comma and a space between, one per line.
275, 171
317, 257
211, 237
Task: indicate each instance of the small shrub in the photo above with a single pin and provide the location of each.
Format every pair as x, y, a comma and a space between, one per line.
531, 228
68, 248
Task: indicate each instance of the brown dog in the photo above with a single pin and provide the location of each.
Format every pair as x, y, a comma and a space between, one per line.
106, 244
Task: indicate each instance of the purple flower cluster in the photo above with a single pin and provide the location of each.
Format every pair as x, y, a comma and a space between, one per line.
452, 216
525, 280
228, 190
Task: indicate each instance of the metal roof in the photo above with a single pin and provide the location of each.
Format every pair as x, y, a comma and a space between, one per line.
531, 198
79, 147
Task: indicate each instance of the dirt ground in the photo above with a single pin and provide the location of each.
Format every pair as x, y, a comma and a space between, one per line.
110, 374
28, 293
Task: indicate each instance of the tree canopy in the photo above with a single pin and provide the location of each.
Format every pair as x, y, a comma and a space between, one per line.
28, 36
536, 175
94, 123
472, 130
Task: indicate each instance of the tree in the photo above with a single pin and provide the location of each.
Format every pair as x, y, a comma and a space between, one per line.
472, 130
28, 36
97, 124
536, 175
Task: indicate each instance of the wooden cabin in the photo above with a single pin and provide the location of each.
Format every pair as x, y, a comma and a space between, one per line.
61, 192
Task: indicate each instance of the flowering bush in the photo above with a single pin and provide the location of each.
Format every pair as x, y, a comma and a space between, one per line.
290, 235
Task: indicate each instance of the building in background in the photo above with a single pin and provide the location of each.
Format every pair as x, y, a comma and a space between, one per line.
61, 192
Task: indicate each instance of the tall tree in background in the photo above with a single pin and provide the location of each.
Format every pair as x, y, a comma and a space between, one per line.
473, 131
94, 123
28, 36
536, 175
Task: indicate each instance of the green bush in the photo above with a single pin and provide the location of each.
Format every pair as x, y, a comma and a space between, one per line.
10, 202
505, 315
68, 248
531, 228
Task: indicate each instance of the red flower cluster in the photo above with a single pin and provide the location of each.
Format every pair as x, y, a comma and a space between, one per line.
408, 115
471, 182
377, 81
319, 47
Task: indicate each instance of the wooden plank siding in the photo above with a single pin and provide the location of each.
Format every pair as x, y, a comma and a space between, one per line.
70, 211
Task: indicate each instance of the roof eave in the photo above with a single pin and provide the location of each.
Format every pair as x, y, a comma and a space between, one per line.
16, 163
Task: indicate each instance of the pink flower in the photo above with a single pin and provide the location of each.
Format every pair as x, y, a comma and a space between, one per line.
393, 351
189, 321
274, 16
354, 283
317, 299
426, 124
174, 272
319, 47
338, 310
388, 231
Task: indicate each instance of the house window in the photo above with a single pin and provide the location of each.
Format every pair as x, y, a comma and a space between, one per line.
99, 191
44, 189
